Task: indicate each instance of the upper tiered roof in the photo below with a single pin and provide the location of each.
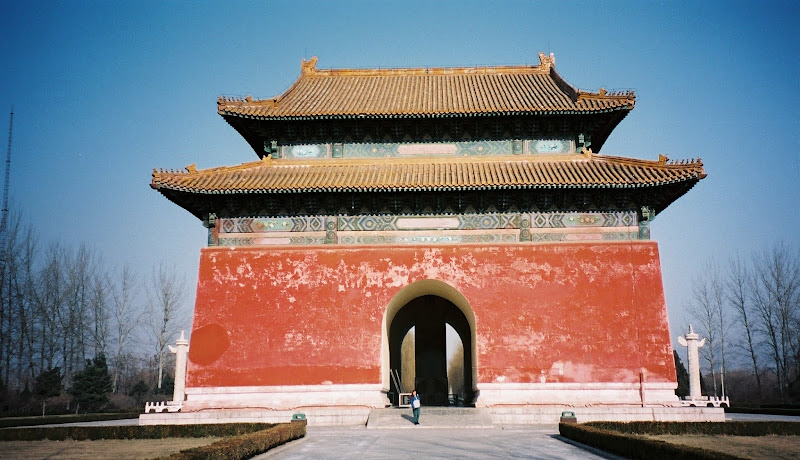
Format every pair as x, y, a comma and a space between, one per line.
427, 92
342, 98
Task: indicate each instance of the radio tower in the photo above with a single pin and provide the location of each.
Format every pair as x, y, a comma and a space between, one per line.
4, 218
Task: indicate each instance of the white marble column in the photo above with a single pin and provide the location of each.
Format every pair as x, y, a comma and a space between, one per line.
692, 344
181, 350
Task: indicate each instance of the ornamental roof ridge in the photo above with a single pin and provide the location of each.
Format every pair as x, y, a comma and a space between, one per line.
311, 70
330, 92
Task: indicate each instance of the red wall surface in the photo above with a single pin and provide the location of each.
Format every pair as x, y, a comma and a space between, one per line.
571, 312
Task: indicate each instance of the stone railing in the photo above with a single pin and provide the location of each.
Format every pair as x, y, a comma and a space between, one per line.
162, 406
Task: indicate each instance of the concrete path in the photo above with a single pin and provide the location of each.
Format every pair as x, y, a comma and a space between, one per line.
760, 418
534, 441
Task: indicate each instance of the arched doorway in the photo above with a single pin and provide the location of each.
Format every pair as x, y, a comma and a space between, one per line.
434, 372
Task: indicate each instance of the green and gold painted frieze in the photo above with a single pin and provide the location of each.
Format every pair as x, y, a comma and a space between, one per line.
469, 148
444, 229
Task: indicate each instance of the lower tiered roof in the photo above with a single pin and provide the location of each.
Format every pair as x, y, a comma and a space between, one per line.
586, 171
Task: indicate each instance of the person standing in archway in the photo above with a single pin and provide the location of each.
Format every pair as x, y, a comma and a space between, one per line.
415, 404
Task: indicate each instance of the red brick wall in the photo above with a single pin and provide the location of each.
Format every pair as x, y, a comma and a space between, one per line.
313, 315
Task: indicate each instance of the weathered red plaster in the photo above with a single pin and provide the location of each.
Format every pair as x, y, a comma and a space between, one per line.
565, 312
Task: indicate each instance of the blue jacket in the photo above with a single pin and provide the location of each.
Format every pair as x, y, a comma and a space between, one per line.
414, 398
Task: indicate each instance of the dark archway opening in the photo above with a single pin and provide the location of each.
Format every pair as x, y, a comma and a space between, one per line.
429, 315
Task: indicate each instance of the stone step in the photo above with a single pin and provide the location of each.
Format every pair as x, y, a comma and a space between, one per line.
430, 417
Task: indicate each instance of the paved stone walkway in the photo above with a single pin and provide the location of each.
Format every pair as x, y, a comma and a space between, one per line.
534, 441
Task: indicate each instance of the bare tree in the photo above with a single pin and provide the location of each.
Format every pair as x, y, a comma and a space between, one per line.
58, 307
99, 308
738, 294
126, 317
166, 315
50, 300
708, 307
776, 296
21, 284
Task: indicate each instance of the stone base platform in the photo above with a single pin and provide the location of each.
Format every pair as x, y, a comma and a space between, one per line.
531, 415
440, 417
430, 417
319, 416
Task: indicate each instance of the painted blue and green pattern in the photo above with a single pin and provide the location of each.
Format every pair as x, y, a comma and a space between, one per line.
461, 222
300, 240
465, 228
422, 239
421, 149
266, 225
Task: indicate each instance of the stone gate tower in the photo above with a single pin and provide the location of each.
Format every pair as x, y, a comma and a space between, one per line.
386, 199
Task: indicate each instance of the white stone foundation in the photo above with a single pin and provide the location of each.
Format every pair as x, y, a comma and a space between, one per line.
315, 416
531, 415
508, 404
578, 394
284, 398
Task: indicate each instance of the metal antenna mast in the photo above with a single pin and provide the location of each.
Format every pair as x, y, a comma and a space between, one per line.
4, 219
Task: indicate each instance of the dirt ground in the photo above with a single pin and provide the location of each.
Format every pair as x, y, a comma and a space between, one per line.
117, 449
772, 447
756, 447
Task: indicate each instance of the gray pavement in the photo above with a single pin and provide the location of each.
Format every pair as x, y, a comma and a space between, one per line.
533, 441
432, 441
760, 418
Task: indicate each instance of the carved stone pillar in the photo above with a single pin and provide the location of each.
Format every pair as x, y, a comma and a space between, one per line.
181, 350
693, 345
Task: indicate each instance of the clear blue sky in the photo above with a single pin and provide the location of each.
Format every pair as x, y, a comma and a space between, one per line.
104, 91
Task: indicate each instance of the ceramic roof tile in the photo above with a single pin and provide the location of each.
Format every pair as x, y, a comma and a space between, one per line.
337, 93
434, 174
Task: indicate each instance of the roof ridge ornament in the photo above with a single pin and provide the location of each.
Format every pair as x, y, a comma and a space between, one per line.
308, 67
192, 168
547, 62
587, 152
662, 159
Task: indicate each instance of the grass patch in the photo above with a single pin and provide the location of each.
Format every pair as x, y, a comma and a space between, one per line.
656, 440
7, 422
211, 441
88, 433
121, 449
752, 447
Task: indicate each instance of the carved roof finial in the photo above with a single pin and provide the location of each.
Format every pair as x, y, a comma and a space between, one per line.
546, 62
192, 168
309, 66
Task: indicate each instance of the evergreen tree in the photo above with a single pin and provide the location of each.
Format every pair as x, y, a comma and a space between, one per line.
91, 386
167, 385
25, 395
48, 385
4, 397
682, 376
139, 391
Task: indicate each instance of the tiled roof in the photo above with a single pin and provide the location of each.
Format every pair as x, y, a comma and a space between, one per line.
429, 174
426, 92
